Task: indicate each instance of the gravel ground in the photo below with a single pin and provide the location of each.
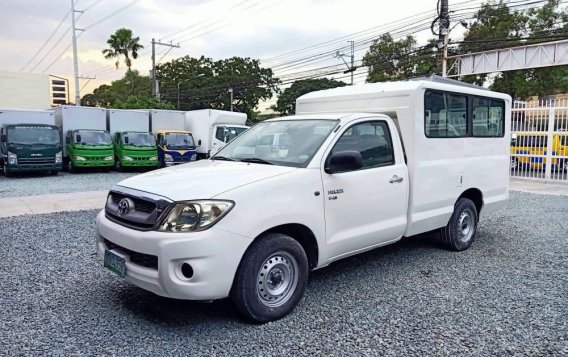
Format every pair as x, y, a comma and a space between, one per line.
42, 184
506, 296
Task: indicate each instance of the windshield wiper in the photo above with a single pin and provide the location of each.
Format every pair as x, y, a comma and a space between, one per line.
257, 160
222, 158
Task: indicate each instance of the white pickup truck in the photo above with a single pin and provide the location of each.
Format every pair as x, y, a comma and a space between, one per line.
360, 167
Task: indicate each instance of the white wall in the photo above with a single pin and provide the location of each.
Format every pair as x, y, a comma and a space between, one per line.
24, 90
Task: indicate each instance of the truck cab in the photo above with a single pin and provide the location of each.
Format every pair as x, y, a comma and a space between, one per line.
224, 134
30, 147
87, 148
175, 147
135, 149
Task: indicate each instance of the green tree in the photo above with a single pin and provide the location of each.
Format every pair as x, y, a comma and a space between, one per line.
121, 91
121, 43
204, 83
286, 103
142, 102
390, 60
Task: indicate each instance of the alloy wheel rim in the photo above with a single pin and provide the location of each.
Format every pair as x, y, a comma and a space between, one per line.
277, 279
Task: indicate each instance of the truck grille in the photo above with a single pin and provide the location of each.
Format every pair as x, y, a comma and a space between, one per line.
142, 210
36, 160
144, 260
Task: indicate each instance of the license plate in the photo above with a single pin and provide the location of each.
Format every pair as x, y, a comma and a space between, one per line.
115, 263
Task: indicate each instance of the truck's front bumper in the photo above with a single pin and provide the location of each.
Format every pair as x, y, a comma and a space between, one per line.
213, 254
34, 167
139, 163
93, 163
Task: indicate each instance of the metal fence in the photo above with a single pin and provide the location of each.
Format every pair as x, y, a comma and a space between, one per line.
539, 144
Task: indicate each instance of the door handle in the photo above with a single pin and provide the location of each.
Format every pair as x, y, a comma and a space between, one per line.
396, 179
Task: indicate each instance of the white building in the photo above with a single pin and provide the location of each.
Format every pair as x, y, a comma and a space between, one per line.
32, 90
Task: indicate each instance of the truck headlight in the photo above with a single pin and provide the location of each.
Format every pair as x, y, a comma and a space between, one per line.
168, 158
12, 158
194, 216
59, 157
109, 158
126, 158
80, 158
153, 158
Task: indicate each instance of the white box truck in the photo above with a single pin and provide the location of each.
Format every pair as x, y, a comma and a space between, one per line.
213, 129
367, 166
29, 141
87, 141
121, 120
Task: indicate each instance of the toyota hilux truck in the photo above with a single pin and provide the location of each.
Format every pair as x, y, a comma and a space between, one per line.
363, 167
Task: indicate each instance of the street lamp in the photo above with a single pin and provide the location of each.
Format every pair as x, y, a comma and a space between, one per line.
185, 80
231, 91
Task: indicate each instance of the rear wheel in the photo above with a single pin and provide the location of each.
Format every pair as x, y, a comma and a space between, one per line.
460, 232
271, 279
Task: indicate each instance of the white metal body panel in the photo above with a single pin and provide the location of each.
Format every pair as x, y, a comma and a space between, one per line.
167, 120
69, 117
120, 120
22, 116
203, 124
439, 169
22, 90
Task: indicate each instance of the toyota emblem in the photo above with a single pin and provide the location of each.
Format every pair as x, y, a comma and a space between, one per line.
123, 207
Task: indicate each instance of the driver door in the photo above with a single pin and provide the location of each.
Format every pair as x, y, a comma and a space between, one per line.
365, 208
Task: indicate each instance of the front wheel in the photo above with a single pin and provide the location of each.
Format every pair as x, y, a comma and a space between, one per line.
271, 279
70, 167
459, 234
5, 170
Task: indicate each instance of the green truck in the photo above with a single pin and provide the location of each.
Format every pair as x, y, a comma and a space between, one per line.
134, 145
29, 141
88, 143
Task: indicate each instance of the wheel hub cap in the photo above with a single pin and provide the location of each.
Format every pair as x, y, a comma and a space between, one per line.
277, 279
466, 225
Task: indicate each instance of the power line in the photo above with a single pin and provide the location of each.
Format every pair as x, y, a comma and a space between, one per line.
116, 12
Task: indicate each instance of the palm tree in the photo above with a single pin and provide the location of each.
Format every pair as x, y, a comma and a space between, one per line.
122, 43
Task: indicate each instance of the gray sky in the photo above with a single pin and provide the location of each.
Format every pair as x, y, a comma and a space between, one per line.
213, 28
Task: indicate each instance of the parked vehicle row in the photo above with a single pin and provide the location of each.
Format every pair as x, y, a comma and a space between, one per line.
529, 151
31, 140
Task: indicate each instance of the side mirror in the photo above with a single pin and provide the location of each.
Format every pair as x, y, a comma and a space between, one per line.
198, 142
3, 138
126, 141
67, 140
344, 161
78, 138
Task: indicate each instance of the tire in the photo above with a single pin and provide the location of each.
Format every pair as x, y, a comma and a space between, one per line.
53, 172
5, 171
117, 165
70, 167
271, 278
460, 232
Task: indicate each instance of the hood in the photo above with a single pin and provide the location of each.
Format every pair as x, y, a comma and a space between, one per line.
202, 179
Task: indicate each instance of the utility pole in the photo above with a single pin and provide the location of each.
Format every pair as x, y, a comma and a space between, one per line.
443, 35
352, 68
352, 59
231, 91
155, 86
75, 60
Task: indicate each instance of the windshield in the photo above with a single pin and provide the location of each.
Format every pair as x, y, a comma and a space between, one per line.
92, 137
138, 139
285, 142
183, 141
33, 135
228, 133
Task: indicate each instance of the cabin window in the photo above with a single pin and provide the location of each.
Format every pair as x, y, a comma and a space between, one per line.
372, 140
445, 115
488, 117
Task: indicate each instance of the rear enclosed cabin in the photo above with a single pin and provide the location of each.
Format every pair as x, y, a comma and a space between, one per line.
456, 139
